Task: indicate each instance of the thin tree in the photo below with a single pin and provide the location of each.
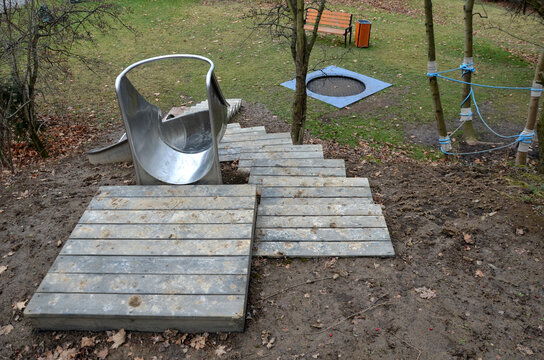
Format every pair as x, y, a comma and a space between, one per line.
38, 37
433, 81
286, 19
466, 112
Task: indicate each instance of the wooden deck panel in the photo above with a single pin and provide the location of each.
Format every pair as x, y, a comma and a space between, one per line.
153, 257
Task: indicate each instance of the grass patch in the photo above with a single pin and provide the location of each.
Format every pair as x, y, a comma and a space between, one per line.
251, 66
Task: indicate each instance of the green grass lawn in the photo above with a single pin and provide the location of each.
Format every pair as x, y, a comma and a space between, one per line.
251, 65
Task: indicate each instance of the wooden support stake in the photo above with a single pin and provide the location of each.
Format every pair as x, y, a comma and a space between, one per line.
439, 113
468, 127
521, 157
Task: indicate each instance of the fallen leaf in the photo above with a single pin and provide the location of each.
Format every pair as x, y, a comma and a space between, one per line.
220, 350
118, 339
479, 273
3, 268
66, 354
6, 329
468, 238
102, 354
86, 341
270, 344
20, 305
199, 341
59, 243
335, 276
329, 264
317, 325
425, 293
520, 231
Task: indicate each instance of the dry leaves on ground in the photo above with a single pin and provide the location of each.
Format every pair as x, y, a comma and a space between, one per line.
3, 268
6, 329
468, 238
118, 339
425, 293
199, 341
87, 341
21, 305
220, 350
102, 354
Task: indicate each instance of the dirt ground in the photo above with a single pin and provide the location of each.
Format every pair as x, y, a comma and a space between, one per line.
467, 281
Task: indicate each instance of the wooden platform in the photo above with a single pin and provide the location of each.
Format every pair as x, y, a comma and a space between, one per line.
151, 258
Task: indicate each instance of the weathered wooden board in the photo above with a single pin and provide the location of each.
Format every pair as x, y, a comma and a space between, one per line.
297, 171
254, 137
173, 265
240, 130
321, 234
320, 221
259, 142
163, 191
143, 284
161, 231
281, 155
313, 192
315, 201
331, 209
170, 203
189, 313
153, 257
269, 148
294, 181
167, 217
233, 126
320, 249
130, 247
300, 163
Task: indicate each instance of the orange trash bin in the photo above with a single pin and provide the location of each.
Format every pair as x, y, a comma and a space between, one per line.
362, 33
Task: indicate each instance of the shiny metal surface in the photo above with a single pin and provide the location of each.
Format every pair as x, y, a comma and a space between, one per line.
181, 150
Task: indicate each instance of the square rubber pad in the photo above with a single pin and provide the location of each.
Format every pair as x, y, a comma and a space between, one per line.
372, 86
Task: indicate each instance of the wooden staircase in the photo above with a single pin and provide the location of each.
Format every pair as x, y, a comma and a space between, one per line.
150, 258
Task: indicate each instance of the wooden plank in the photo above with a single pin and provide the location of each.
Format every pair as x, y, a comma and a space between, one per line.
162, 231
176, 190
321, 234
144, 284
291, 181
296, 171
314, 201
281, 155
319, 249
174, 265
335, 163
312, 192
362, 209
253, 137
320, 222
258, 142
270, 148
171, 203
157, 247
167, 217
240, 130
145, 312
233, 126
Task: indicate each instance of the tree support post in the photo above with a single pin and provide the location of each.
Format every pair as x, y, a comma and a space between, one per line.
467, 69
523, 147
433, 82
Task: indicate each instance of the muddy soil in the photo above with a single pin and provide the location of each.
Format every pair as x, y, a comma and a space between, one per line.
466, 282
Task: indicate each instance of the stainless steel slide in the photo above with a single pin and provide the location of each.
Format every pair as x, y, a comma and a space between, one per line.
181, 150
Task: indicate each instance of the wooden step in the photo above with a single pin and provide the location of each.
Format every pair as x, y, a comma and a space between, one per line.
150, 258
336, 163
254, 137
242, 152
302, 181
297, 171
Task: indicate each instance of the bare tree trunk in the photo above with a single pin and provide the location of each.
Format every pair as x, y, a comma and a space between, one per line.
521, 156
439, 113
540, 136
301, 48
468, 127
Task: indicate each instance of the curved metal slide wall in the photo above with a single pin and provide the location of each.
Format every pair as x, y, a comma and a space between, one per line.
182, 150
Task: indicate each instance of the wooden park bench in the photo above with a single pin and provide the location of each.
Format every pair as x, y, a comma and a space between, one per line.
335, 23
